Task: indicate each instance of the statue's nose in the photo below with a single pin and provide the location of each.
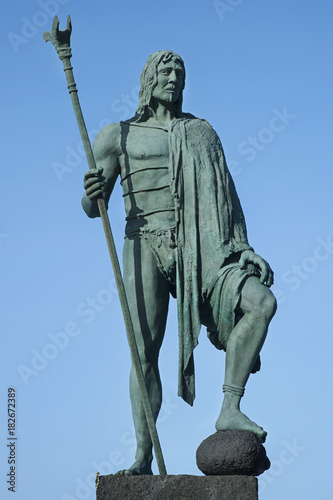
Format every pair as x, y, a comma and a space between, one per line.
173, 76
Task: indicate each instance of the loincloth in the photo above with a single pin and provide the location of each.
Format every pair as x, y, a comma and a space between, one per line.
220, 311
162, 243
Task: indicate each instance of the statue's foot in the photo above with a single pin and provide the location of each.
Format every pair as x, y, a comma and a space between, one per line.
235, 420
137, 469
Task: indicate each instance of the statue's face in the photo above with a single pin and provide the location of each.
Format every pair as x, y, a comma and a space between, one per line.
170, 79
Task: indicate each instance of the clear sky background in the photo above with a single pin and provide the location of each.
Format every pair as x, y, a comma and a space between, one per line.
260, 72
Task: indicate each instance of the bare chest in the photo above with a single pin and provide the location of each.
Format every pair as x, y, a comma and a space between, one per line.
146, 178
143, 147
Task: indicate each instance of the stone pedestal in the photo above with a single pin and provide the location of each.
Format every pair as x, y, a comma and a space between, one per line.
182, 487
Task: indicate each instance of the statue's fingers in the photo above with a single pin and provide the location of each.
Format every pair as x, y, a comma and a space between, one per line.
242, 262
262, 278
94, 174
270, 279
264, 268
94, 185
94, 190
93, 180
96, 195
90, 182
93, 171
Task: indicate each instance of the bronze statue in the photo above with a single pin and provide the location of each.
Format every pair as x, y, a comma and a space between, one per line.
185, 236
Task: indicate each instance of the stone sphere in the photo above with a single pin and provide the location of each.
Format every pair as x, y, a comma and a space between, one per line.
232, 453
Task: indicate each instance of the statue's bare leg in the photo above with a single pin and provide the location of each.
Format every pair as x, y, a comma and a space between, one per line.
258, 306
148, 296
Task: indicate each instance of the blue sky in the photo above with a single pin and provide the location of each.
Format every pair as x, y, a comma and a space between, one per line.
260, 73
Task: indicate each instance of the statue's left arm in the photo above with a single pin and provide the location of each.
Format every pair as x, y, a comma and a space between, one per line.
248, 256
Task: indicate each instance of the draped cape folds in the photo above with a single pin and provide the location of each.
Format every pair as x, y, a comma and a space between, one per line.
210, 227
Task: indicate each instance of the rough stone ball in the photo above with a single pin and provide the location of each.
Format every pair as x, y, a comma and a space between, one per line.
232, 453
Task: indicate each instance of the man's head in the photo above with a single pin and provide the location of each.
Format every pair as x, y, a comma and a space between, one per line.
155, 65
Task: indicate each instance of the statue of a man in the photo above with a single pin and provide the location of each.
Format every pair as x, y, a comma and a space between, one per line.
185, 235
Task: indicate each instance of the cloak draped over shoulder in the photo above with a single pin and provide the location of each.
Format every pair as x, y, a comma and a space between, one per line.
210, 227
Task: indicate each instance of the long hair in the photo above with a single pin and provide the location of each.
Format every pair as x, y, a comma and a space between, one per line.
148, 82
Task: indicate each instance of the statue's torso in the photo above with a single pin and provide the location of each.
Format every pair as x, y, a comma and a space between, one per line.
145, 175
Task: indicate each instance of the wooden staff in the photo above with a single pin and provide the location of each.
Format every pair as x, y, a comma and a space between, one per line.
61, 41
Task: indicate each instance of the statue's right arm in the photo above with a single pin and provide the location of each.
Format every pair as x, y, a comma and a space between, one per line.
100, 182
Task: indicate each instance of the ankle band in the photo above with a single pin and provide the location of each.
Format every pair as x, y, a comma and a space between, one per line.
234, 389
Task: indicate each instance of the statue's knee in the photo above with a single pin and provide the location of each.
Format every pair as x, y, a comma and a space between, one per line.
268, 305
264, 304
148, 354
